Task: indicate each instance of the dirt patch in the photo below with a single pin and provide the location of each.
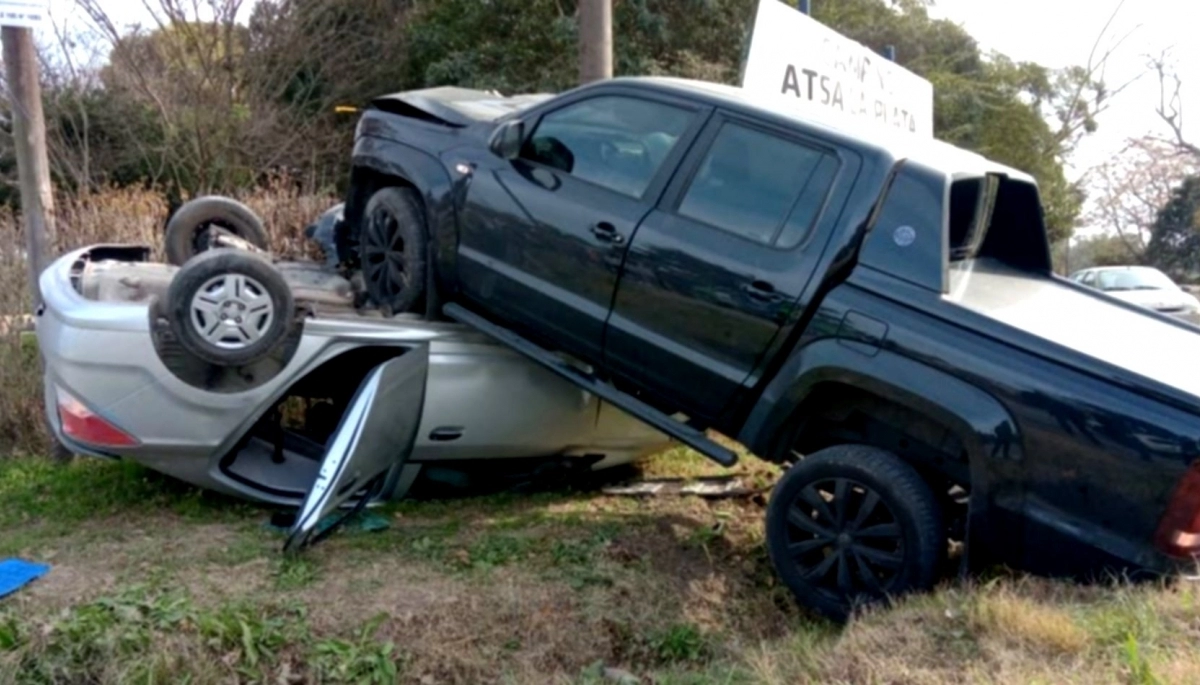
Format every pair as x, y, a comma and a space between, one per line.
348, 595
160, 548
68, 584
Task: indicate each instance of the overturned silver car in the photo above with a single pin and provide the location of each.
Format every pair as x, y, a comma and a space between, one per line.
354, 406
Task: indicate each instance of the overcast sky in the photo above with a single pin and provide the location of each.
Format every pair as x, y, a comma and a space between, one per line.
1058, 33
1055, 33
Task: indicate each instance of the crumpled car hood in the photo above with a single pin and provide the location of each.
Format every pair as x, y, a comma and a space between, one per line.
455, 106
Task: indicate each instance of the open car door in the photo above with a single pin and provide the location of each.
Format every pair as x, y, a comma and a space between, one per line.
376, 434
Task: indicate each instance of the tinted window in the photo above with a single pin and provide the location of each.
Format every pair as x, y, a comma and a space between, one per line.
615, 142
759, 186
808, 207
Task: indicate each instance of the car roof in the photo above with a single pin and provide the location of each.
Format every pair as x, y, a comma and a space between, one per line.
898, 145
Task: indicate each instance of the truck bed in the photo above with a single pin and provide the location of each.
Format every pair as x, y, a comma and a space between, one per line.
1100, 327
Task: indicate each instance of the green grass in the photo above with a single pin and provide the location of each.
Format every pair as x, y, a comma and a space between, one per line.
154, 581
37, 491
148, 635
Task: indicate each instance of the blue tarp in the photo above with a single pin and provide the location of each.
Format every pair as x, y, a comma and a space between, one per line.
16, 574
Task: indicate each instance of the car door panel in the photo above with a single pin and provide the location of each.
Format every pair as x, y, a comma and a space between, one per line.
688, 309
376, 434
540, 263
715, 271
542, 237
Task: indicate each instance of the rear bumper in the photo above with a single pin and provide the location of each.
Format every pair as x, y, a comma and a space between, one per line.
102, 354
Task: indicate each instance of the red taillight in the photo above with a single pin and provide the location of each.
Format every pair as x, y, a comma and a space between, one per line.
1179, 531
82, 425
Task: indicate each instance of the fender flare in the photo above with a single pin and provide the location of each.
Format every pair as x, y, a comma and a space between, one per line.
425, 173
987, 429
981, 419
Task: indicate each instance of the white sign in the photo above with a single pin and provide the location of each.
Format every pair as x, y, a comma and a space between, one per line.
799, 60
23, 13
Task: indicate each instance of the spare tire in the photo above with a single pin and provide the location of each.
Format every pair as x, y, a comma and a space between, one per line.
188, 229
230, 307
393, 249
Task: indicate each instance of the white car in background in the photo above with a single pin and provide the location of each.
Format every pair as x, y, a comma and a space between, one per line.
1143, 286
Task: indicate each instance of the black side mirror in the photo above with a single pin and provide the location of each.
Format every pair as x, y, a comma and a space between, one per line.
507, 139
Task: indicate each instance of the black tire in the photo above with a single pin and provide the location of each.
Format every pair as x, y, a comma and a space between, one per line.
240, 285
393, 244
818, 548
187, 229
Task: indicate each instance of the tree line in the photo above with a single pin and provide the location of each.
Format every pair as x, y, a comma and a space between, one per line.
213, 100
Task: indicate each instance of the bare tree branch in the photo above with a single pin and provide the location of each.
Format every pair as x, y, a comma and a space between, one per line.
1091, 95
1170, 102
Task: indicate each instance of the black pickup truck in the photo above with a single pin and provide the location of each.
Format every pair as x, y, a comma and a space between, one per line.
880, 313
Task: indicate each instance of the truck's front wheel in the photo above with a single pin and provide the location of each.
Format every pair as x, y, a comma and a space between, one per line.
392, 248
853, 525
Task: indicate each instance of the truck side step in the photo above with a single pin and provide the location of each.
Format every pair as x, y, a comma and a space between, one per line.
689, 436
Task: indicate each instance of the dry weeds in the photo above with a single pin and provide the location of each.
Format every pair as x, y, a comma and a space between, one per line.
117, 215
1019, 622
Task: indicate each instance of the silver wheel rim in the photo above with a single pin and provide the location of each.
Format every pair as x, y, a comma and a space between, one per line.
232, 311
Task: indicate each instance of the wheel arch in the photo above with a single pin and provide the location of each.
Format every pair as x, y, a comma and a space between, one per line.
977, 418
379, 163
980, 446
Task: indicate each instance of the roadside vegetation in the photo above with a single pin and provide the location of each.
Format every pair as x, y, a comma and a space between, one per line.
210, 95
153, 581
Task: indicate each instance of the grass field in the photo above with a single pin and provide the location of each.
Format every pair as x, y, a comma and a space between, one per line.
153, 581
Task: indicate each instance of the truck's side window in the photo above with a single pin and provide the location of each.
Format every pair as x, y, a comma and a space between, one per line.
809, 205
759, 186
613, 141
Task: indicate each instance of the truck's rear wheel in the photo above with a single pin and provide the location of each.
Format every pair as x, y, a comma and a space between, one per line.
230, 307
189, 231
392, 248
851, 526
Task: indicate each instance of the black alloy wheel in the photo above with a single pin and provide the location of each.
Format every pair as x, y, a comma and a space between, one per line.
392, 246
852, 526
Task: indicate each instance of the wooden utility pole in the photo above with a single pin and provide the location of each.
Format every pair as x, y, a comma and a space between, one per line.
595, 40
29, 139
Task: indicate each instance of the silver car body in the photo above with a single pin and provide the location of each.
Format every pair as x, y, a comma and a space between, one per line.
483, 401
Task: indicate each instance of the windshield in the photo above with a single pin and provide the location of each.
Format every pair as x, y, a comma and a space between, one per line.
1136, 278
